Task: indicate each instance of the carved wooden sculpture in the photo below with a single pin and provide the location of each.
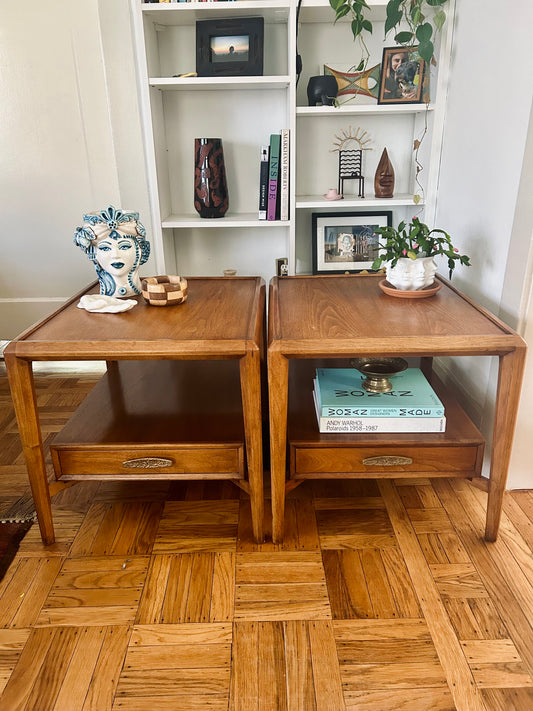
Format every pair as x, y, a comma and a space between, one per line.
384, 178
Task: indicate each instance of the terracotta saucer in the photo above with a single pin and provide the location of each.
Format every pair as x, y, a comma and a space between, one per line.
430, 290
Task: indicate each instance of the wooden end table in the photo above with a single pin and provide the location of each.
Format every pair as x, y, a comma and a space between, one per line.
168, 406
335, 317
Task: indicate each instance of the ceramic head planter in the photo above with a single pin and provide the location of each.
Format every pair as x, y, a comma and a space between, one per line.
115, 241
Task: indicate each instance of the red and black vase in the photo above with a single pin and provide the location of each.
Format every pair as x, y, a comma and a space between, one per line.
210, 188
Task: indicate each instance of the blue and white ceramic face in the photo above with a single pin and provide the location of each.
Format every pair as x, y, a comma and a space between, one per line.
117, 256
115, 241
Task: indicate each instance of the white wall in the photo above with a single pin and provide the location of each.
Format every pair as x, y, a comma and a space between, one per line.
60, 154
486, 130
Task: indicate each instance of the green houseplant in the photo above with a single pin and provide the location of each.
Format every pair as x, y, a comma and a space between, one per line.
422, 18
415, 242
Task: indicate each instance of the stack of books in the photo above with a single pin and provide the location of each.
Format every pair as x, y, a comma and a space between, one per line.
343, 405
274, 178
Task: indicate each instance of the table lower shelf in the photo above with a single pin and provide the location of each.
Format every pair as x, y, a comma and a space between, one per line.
157, 420
457, 452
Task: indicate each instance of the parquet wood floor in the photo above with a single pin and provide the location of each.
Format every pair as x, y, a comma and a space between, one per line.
383, 595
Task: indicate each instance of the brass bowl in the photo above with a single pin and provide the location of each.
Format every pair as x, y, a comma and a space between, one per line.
378, 371
164, 290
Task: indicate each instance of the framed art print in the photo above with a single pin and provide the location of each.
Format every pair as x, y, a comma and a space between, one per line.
229, 47
345, 242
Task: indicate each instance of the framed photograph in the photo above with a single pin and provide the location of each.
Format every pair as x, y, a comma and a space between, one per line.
345, 242
231, 47
402, 76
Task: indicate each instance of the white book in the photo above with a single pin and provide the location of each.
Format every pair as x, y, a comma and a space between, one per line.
284, 170
377, 424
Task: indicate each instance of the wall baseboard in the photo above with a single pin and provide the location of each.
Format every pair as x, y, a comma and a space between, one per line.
16, 315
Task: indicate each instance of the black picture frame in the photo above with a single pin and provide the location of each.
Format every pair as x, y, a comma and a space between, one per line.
229, 47
344, 242
404, 83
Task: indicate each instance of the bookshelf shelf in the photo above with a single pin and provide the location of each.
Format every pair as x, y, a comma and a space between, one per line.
219, 83
304, 202
229, 220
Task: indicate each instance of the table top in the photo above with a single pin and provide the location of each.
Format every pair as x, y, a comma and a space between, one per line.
325, 316
221, 317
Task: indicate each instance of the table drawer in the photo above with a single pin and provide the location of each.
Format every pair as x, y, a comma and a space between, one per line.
225, 461
371, 461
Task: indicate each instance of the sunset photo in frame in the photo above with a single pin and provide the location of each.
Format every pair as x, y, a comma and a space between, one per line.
229, 47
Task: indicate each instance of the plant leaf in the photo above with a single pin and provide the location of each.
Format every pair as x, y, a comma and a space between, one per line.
416, 199
411, 254
434, 3
342, 11
424, 32
425, 50
336, 3
439, 19
403, 37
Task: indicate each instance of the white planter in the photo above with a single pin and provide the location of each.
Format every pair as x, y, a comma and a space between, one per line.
412, 274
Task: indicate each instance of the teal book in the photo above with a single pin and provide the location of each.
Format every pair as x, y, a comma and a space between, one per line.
340, 393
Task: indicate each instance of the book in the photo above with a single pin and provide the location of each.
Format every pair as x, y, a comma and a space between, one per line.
263, 183
377, 424
341, 394
284, 174
273, 176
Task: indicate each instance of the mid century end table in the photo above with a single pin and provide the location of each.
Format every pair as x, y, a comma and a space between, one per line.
169, 405
338, 317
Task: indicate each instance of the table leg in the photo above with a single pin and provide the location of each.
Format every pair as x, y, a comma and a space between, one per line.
250, 372
278, 383
510, 375
20, 376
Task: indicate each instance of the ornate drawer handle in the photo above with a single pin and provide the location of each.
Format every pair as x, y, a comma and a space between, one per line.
147, 463
387, 461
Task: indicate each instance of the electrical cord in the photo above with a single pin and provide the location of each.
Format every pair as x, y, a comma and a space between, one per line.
299, 64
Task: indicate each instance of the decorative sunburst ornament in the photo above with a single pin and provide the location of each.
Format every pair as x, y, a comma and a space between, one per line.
360, 138
351, 159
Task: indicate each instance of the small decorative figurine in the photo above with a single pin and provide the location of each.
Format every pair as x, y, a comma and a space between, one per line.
351, 160
322, 90
384, 177
115, 241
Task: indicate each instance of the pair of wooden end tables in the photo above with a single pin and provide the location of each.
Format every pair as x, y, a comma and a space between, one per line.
182, 394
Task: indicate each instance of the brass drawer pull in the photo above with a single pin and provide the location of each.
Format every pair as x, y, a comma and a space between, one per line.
147, 463
387, 461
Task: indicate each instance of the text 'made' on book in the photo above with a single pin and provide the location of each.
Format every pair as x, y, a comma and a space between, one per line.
341, 394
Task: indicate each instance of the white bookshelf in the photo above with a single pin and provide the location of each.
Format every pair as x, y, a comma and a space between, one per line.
244, 111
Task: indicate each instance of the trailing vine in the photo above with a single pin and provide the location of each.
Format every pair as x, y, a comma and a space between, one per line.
423, 18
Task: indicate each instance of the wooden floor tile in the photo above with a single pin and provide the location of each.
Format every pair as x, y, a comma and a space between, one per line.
67, 668
354, 528
188, 526
25, 590
184, 667
508, 699
12, 643
280, 585
189, 587
118, 529
95, 590
284, 666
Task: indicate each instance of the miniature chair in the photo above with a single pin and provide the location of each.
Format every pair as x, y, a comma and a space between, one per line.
350, 165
